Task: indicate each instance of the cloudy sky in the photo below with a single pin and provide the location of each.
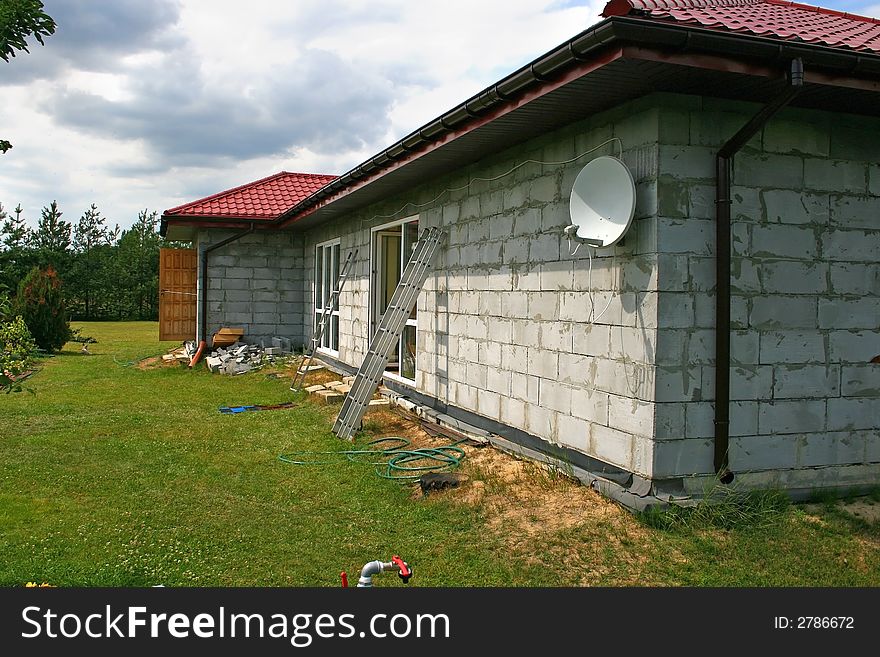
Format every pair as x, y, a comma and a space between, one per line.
137, 104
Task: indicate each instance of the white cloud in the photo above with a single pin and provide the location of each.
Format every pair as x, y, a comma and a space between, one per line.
136, 105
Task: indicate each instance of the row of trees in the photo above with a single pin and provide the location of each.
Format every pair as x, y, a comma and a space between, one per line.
107, 273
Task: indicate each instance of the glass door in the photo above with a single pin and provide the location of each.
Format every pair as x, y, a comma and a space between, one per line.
326, 282
392, 249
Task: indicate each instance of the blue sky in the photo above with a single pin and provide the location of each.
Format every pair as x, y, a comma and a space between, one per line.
137, 104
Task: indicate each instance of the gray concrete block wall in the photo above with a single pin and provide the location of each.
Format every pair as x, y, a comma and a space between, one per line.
806, 298
257, 283
511, 325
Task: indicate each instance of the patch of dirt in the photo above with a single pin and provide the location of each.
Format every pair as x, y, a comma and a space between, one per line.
537, 512
155, 362
863, 508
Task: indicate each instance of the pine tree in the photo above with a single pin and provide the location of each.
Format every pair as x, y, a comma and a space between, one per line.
40, 301
51, 239
89, 273
16, 256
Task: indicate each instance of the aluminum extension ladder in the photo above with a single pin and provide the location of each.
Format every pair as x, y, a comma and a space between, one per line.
387, 334
300, 376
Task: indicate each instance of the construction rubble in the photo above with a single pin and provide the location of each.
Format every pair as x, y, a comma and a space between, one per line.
241, 358
238, 357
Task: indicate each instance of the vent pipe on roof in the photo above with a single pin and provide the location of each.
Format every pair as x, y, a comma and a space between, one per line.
723, 166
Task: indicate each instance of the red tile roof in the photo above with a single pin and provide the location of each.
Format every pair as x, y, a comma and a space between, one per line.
265, 199
777, 19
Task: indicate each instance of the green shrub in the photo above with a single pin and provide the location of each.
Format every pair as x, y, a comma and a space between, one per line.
17, 350
40, 301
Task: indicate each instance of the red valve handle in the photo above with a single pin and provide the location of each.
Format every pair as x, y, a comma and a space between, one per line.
405, 571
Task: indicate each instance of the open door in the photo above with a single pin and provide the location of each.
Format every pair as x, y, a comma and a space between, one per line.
177, 294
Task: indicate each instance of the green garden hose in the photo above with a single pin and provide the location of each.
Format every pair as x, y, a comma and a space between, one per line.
396, 462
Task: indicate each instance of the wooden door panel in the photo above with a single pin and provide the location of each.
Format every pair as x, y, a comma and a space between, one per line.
177, 294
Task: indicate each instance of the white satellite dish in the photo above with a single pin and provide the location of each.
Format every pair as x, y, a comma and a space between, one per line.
603, 202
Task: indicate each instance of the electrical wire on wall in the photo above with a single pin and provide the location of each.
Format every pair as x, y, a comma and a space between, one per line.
449, 190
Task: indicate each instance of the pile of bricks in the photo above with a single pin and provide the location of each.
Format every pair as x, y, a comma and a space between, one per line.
241, 358
335, 391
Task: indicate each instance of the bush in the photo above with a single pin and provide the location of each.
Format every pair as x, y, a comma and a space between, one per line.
17, 349
40, 301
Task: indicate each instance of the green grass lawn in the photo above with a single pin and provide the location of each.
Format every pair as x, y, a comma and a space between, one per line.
113, 475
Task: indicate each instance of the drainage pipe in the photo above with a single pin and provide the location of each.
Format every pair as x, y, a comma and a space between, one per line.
723, 167
204, 257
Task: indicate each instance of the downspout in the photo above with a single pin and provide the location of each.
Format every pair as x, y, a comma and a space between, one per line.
723, 166
204, 258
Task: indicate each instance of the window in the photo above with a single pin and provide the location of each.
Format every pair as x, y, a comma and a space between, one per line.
391, 250
326, 282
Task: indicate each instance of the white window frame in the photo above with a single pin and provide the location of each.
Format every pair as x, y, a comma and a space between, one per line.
374, 282
326, 248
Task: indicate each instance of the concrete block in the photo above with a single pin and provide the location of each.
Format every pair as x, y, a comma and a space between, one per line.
802, 416
328, 396
213, 363
800, 381
543, 363
874, 179
763, 452
687, 162
855, 279
831, 448
488, 404
674, 310
781, 136
860, 380
379, 402
854, 346
855, 211
514, 358
631, 415
526, 221
591, 405
685, 235
612, 446
861, 313
524, 387
476, 374
794, 277
783, 312
678, 383
573, 432
314, 388
540, 422
515, 304
699, 420
669, 421
835, 175
793, 347
796, 207
683, 458
769, 170
556, 336
672, 202
743, 418
856, 413
513, 412
555, 396
785, 241
498, 381
543, 190
591, 339
500, 226
850, 245
555, 276
543, 306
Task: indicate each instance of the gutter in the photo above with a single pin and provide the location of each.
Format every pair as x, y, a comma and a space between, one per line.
204, 263
723, 168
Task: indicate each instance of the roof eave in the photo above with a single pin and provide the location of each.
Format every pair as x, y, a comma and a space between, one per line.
616, 30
